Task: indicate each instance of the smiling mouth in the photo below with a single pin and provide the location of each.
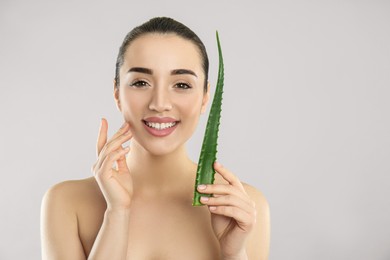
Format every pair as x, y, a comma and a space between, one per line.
160, 126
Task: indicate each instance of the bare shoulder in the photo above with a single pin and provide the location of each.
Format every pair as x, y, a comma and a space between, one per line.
68, 199
257, 196
259, 242
60, 210
70, 192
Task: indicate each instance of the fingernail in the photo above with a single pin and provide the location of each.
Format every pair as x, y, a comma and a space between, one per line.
204, 198
218, 164
212, 207
124, 124
201, 187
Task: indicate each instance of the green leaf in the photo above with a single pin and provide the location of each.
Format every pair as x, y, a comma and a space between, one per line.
205, 172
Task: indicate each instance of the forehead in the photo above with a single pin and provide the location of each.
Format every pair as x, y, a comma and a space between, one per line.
162, 52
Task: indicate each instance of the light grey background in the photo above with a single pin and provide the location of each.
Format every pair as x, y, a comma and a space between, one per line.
305, 115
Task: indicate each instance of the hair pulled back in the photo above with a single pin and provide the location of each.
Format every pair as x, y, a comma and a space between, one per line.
162, 25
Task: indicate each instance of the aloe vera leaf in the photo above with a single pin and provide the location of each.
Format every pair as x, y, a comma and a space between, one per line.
205, 171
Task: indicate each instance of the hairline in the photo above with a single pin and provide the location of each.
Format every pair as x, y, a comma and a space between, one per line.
144, 34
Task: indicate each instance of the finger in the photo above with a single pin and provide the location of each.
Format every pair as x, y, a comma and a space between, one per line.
110, 159
112, 146
115, 144
221, 189
102, 136
102, 139
228, 176
244, 219
229, 200
123, 129
121, 163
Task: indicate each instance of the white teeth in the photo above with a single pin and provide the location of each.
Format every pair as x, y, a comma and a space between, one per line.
159, 126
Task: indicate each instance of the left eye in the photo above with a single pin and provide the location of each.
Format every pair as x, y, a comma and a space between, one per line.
182, 85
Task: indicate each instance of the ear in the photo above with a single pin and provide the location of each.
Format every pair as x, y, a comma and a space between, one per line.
206, 98
116, 97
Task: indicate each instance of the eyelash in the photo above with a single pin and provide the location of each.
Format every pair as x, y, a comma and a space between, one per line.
136, 84
187, 86
180, 85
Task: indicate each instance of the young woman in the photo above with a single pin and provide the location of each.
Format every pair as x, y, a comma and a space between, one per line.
142, 208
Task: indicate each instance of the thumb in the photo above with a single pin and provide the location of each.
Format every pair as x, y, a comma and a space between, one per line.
121, 162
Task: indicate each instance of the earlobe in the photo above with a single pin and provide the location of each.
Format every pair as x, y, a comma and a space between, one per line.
116, 97
206, 98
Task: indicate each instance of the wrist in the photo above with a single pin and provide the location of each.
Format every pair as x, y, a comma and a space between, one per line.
110, 212
240, 256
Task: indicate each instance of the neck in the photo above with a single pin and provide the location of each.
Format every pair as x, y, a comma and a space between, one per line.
159, 173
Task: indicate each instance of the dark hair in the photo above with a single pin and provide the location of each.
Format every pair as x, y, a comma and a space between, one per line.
163, 25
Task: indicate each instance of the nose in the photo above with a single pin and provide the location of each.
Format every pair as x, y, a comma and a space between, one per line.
160, 100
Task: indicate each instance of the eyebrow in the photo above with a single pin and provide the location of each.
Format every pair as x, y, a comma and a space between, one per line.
173, 72
183, 71
140, 70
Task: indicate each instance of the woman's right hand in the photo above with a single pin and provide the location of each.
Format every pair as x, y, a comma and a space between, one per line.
115, 183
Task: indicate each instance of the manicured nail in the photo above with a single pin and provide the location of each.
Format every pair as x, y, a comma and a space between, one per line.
212, 208
201, 187
204, 198
218, 164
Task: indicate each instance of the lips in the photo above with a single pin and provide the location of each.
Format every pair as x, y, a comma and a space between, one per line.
160, 126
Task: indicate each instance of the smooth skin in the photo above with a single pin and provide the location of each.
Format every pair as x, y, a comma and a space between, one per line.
138, 203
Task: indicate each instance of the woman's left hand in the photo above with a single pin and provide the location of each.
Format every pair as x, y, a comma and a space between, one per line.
233, 213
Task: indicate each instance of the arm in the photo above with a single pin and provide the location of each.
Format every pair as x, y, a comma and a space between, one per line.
59, 232
111, 242
239, 217
117, 188
60, 236
258, 243
59, 229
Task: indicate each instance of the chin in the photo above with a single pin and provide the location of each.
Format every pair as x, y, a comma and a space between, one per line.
160, 148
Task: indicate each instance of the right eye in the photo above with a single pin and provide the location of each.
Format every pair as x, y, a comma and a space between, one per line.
139, 84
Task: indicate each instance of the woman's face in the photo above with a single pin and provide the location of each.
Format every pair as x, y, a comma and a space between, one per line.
161, 91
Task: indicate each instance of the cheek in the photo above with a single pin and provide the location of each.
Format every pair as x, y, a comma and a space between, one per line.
191, 105
131, 105
191, 111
